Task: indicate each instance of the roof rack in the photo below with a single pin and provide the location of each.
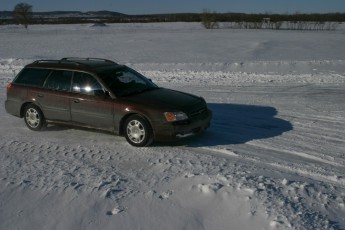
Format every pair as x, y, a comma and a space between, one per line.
76, 59
42, 61
54, 61
73, 61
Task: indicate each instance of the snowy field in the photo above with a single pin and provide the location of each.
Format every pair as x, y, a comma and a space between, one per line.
274, 157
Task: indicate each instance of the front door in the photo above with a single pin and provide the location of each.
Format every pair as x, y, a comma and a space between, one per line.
89, 105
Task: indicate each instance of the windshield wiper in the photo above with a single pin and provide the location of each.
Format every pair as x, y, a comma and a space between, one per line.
147, 89
129, 93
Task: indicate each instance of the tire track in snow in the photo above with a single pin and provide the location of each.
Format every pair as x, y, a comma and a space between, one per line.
308, 172
88, 169
51, 166
293, 198
294, 153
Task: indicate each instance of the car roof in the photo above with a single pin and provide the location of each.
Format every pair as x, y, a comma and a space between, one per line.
82, 64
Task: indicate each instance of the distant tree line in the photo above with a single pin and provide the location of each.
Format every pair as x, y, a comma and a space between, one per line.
273, 21
234, 17
287, 25
298, 21
197, 17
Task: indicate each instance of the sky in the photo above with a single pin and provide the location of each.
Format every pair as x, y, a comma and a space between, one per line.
183, 6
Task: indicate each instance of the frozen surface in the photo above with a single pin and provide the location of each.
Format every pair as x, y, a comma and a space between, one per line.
272, 159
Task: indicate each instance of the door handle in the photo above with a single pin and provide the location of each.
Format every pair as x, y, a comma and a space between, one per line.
76, 101
39, 95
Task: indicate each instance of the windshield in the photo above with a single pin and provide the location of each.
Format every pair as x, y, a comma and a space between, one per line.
125, 81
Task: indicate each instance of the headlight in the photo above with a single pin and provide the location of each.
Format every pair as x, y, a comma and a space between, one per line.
175, 116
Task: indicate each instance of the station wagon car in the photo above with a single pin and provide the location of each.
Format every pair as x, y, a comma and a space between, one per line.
102, 94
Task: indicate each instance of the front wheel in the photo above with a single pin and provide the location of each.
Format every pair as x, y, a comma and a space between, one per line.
33, 117
138, 131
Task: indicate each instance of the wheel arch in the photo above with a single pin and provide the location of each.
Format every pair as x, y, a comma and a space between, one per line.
22, 108
124, 118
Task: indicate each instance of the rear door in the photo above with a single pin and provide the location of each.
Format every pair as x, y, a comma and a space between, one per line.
89, 104
54, 98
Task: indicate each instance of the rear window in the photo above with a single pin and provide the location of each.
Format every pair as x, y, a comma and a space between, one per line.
59, 80
32, 77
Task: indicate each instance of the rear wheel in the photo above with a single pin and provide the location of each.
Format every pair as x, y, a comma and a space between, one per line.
33, 117
138, 131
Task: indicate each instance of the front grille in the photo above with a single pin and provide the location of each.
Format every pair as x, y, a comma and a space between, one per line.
198, 114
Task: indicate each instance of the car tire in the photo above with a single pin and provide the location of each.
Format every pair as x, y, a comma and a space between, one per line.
138, 131
33, 117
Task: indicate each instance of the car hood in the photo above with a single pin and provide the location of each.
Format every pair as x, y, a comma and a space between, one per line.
167, 99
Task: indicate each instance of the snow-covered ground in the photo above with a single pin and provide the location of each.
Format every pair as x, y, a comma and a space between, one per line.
273, 158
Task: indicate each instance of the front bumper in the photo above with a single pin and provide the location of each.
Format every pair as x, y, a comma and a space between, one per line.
180, 130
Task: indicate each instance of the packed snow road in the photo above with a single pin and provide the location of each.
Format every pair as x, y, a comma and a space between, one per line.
274, 157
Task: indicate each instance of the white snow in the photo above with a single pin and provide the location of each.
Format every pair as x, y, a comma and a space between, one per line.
273, 158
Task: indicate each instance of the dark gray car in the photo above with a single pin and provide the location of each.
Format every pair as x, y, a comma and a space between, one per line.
102, 94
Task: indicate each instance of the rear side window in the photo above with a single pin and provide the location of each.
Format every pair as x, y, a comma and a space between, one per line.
59, 80
32, 77
86, 84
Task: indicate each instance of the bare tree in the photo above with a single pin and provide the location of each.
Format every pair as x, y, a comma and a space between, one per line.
23, 13
209, 20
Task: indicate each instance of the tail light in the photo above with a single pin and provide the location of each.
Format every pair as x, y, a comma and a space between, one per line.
9, 87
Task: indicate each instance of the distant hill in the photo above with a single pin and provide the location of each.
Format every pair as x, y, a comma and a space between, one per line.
6, 14
68, 14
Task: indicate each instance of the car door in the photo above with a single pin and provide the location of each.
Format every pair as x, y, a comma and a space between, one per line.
89, 104
54, 97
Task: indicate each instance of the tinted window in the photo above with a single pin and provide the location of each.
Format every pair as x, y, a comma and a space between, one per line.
125, 81
32, 77
86, 84
59, 80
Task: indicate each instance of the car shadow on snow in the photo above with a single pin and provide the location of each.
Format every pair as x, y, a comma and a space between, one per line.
237, 124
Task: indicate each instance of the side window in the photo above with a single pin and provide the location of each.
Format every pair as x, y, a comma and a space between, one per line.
32, 77
59, 80
86, 84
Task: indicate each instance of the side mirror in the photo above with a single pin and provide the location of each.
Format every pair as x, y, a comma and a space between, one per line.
106, 94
